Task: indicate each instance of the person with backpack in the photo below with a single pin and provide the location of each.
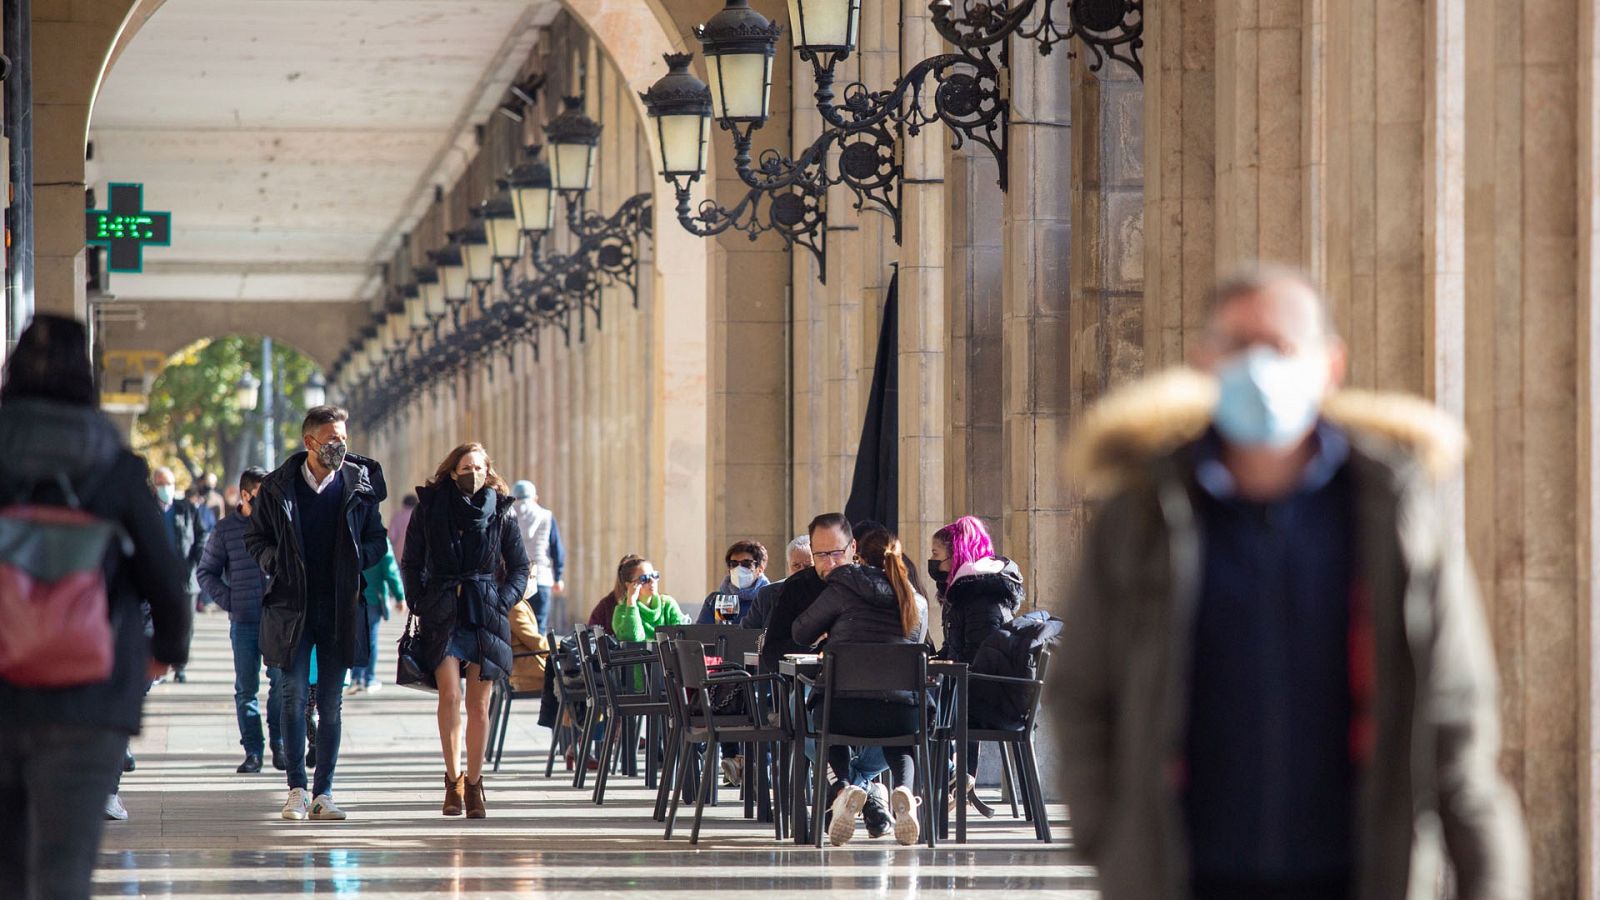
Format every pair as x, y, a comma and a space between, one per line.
314, 528
230, 576
75, 506
979, 592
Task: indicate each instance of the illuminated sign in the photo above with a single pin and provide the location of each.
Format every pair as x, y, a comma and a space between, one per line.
127, 228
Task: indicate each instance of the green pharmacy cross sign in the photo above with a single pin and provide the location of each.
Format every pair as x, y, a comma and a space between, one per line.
126, 228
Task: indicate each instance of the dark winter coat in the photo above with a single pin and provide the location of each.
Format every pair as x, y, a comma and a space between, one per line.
188, 535
39, 439
434, 574
858, 607
1428, 743
273, 538
229, 575
975, 607
800, 590
1012, 651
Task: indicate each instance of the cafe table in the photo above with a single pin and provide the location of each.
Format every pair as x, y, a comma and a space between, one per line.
796, 666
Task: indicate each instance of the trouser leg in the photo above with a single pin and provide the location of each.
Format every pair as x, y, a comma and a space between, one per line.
296, 684
245, 638
330, 675
69, 773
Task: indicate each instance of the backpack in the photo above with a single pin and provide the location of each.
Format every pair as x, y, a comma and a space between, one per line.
53, 594
1012, 651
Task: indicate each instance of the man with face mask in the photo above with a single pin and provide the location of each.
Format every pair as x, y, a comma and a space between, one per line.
230, 576
1275, 679
188, 537
314, 528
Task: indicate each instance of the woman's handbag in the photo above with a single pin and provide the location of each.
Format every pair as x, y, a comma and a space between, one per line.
412, 673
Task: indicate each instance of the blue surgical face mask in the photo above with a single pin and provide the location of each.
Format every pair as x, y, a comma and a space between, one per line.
164, 493
1268, 400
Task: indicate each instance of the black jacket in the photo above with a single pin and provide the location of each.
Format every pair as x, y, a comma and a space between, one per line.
188, 536
273, 538
975, 607
433, 572
39, 439
799, 591
229, 574
858, 607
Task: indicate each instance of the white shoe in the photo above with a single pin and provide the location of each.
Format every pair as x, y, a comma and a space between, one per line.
323, 810
115, 811
352, 690
903, 807
846, 807
375, 686
298, 806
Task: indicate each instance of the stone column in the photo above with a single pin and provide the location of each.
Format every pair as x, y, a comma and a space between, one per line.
920, 310
1042, 519
974, 451
1586, 124
1180, 125
1107, 273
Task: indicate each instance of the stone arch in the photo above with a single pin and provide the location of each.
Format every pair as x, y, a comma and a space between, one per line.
632, 34
168, 326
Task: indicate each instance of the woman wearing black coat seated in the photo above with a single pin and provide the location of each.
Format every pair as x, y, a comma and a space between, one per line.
875, 602
979, 592
465, 565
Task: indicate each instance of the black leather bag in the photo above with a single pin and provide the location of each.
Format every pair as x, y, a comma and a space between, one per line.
412, 673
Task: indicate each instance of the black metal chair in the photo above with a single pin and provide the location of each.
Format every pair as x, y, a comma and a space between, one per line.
883, 672
689, 684
500, 707
566, 683
632, 691
705, 634
1016, 744
593, 700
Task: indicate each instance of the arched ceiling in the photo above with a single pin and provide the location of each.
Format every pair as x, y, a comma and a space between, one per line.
295, 140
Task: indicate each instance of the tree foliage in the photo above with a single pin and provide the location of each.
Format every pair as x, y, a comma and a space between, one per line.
193, 423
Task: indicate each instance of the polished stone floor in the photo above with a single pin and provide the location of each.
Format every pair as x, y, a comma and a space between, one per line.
198, 829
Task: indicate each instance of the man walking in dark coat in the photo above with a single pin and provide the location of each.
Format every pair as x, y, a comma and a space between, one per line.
314, 528
230, 576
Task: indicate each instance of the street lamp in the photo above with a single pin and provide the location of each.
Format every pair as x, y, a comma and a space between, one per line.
246, 392
531, 195
504, 230
574, 138
681, 105
739, 44
316, 390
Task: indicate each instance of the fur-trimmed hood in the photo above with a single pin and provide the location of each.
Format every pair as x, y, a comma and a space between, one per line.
1135, 424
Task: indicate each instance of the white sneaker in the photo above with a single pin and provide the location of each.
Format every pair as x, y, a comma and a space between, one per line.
115, 811
846, 807
903, 806
352, 690
298, 806
323, 810
375, 686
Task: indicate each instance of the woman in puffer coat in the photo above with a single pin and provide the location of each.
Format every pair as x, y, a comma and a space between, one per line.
465, 565
979, 593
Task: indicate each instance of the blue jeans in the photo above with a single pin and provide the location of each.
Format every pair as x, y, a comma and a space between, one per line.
296, 683
246, 640
539, 601
54, 780
366, 675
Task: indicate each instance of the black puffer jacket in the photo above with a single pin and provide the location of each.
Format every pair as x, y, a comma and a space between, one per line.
273, 538
39, 439
433, 572
795, 595
858, 607
976, 606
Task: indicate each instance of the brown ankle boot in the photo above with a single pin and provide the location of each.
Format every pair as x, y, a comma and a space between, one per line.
454, 795
475, 806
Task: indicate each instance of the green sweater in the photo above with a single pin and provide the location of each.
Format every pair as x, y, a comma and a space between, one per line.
640, 621
383, 579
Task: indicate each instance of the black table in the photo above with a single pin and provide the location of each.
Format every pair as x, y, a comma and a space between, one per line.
810, 667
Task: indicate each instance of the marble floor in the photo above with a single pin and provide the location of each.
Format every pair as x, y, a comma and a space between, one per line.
197, 829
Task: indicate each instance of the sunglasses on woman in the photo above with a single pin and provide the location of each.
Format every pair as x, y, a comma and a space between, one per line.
741, 563
648, 577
